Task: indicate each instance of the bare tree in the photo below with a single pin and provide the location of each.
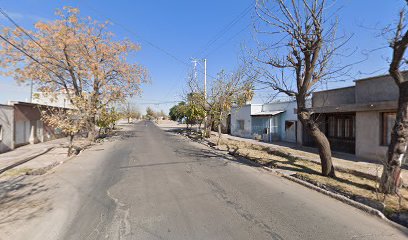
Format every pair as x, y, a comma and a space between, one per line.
227, 90
296, 45
130, 111
391, 175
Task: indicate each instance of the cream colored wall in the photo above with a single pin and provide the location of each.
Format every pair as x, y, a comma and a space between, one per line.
243, 113
7, 125
368, 135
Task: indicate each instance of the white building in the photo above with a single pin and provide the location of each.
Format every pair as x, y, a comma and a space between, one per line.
55, 100
269, 122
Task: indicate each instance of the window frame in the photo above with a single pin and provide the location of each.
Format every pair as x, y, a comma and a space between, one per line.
384, 127
239, 124
336, 126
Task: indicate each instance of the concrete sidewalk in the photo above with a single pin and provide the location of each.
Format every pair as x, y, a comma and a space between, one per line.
38, 158
340, 160
45, 154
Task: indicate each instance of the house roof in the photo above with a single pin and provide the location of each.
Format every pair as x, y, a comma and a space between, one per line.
379, 76
358, 80
13, 103
271, 113
334, 89
5, 106
359, 107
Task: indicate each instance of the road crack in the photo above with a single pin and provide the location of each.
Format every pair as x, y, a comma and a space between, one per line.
222, 195
120, 226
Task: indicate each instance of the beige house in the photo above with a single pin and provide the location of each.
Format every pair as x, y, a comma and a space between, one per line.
21, 124
6, 128
358, 119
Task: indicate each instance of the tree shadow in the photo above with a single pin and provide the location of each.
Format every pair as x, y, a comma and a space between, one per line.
22, 199
120, 135
356, 184
209, 154
291, 164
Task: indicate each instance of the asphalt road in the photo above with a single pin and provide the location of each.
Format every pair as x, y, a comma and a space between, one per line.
157, 185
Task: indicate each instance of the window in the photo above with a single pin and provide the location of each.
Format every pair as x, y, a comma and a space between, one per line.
274, 124
288, 124
332, 127
388, 121
241, 124
341, 126
349, 128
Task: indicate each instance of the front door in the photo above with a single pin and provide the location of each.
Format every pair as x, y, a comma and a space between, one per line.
290, 131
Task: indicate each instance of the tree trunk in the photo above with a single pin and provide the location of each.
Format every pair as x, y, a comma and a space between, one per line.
318, 136
219, 129
207, 127
70, 146
91, 129
391, 176
219, 133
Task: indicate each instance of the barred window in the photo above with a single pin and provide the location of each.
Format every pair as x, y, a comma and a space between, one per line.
241, 124
388, 121
341, 126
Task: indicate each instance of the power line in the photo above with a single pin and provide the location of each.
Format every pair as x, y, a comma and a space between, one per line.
28, 55
26, 33
231, 38
138, 36
149, 43
157, 103
225, 29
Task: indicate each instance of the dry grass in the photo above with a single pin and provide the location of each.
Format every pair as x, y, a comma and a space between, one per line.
16, 172
353, 184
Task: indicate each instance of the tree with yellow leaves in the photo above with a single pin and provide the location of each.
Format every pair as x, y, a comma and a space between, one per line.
76, 56
68, 121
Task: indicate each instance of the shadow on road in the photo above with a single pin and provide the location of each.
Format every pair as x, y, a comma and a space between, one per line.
22, 199
211, 153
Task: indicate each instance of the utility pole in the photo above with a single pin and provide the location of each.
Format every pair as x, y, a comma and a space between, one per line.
194, 61
31, 91
205, 94
205, 78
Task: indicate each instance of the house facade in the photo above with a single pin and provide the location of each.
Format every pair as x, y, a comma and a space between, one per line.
358, 119
56, 99
21, 124
270, 122
6, 128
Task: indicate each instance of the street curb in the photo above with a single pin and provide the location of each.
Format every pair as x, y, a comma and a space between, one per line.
339, 197
45, 169
11, 166
313, 160
365, 208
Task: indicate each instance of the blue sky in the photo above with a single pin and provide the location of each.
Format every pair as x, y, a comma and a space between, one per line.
172, 32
